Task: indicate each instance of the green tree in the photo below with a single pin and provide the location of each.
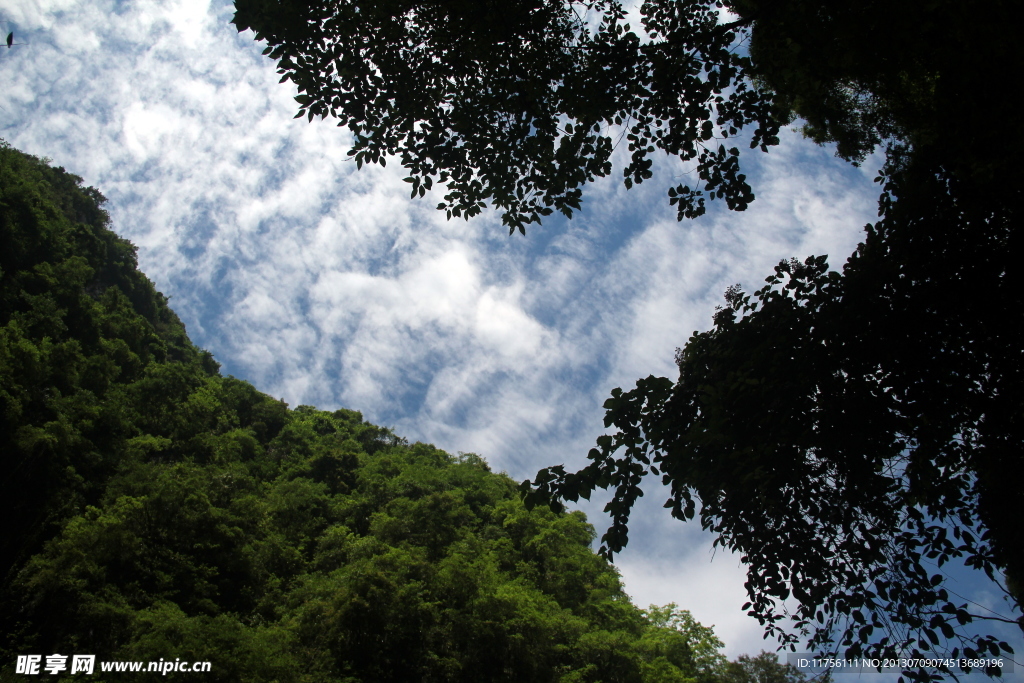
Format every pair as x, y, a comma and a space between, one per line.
764, 668
79, 324
676, 638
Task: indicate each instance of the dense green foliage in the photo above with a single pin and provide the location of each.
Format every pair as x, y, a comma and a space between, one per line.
162, 511
90, 355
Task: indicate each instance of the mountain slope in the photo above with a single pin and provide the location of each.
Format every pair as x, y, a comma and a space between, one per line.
163, 511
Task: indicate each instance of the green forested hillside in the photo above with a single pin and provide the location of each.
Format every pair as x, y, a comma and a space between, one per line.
156, 510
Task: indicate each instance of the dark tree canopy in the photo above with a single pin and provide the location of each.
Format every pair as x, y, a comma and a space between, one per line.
928, 75
521, 103
848, 434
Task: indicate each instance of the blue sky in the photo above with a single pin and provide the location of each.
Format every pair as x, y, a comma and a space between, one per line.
327, 286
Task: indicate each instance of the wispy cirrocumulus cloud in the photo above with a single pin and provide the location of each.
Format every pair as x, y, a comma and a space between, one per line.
326, 285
